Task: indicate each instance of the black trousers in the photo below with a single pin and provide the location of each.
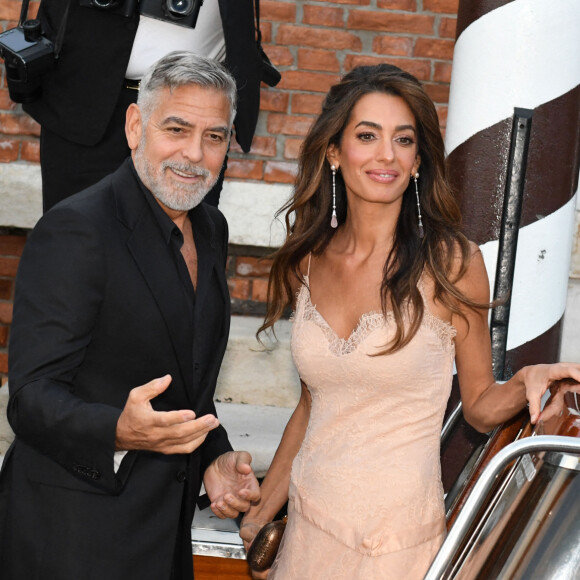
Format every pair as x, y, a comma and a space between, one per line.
69, 167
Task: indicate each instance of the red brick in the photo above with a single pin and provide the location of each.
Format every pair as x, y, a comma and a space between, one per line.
10, 10
442, 114
322, 16
245, 169
5, 312
18, 125
30, 151
3, 362
260, 146
441, 6
9, 150
448, 27
390, 22
6, 103
307, 81
419, 68
3, 336
273, 100
307, 36
266, 29
6, 289
442, 72
292, 148
279, 55
265, 146
434, 48
393, 45
277, 11
315, 59
8, 266
280, 172
255, 267
438, 92
239, 289
260, 290
12, 245
357, 2
304, 103
288, 124
409, 5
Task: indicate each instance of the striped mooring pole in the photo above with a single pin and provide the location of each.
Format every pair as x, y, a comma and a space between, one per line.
513, 145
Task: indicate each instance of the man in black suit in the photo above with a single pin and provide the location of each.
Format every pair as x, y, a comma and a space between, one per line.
121, 318
85, 96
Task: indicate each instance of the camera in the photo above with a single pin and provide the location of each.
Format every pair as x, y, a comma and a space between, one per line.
121, 7
27, 56
182, 12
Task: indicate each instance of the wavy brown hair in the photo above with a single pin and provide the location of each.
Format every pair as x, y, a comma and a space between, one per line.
307, 213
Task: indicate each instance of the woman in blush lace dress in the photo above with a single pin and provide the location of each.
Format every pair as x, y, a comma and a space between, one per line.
387, 293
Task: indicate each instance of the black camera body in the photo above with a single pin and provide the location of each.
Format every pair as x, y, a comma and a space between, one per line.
182, 12
124, 8
27, 56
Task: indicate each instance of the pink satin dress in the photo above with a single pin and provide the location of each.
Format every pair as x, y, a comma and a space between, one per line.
365, 498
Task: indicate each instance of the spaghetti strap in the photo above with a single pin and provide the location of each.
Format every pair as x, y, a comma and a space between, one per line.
309, 260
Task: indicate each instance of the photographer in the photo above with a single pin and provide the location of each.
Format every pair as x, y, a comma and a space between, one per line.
104, 53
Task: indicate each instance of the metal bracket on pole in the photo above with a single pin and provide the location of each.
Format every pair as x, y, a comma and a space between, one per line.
508, 239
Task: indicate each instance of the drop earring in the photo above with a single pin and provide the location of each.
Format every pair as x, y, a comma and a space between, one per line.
421, 230
333, 219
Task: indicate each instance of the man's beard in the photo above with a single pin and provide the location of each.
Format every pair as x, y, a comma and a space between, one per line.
174, 194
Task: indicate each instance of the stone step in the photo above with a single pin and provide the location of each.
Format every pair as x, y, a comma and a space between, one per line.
258, 374
254, 428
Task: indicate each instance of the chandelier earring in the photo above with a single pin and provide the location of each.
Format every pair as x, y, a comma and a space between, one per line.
421, 230
333, 219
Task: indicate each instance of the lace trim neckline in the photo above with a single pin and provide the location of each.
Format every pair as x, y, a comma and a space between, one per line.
367, 323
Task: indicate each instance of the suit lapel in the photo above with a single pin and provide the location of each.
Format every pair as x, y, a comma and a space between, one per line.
208, 260
154, 259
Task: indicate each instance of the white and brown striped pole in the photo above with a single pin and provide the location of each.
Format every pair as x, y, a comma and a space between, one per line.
513, 149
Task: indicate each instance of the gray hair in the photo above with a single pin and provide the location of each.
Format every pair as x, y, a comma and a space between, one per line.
180, 68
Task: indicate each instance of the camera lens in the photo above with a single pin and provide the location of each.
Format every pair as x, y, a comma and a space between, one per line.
180, 8
105, 4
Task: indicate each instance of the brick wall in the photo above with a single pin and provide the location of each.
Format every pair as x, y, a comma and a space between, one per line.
313, 43
11, 244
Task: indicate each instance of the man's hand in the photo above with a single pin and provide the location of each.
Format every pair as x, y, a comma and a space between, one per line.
231, 484
141, 427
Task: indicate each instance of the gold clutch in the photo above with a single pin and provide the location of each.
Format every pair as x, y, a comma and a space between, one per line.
265, 546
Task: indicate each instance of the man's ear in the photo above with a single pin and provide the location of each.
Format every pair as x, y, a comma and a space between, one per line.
133, 126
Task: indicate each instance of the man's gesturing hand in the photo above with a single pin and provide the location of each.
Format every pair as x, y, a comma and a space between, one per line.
141, 427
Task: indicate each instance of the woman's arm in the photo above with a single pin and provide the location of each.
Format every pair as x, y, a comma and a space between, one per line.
274, 489
486, 403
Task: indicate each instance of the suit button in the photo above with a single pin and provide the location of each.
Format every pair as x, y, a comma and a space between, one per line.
181, 477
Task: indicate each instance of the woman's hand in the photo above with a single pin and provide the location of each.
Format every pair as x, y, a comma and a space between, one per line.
248, 531
537, 379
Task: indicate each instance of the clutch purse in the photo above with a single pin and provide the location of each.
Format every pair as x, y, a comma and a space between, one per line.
265, 546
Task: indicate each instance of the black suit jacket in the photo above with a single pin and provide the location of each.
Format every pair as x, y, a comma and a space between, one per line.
100, 309
80, 93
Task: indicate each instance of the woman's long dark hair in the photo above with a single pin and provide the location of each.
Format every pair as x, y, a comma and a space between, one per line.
307, 213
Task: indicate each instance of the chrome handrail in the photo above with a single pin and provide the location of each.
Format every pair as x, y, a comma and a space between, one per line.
451, 421
483, 485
